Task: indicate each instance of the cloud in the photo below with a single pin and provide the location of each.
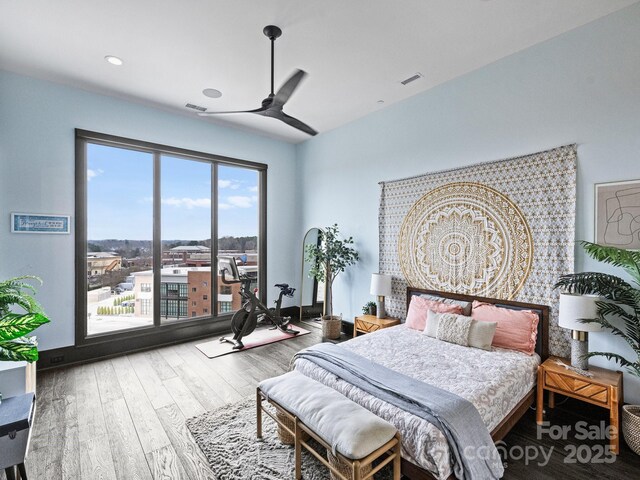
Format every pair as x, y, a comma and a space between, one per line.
93, 173
253, 189
230, 184
187, 202
238, 201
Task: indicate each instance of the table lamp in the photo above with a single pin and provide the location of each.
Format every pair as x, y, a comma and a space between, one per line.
573, 308
380, 287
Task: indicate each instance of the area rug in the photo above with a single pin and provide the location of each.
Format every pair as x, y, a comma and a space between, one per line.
227, 437
259, 337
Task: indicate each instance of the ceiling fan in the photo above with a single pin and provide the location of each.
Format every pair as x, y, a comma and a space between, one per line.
272, 105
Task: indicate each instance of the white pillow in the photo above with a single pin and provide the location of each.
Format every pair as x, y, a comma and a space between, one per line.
480, 333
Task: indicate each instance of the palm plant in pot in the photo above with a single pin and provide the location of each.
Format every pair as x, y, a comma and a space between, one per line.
620, 302
14, 326
330, 257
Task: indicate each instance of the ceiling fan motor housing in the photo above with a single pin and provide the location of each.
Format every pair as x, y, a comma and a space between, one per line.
272, 31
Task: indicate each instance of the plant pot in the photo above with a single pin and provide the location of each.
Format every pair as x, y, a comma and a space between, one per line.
372, 310
631, 426
331, 327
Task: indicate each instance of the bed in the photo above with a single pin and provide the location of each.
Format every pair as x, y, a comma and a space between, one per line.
499, 383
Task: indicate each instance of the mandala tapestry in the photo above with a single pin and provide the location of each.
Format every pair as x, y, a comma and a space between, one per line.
502, 229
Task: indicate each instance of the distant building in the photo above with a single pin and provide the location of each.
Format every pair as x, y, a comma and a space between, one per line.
180, 255
99, 263
184, 292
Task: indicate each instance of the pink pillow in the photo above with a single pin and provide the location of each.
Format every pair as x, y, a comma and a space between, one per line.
418, 308
516, 329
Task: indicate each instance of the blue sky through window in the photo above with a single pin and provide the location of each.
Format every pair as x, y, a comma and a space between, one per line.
120, 197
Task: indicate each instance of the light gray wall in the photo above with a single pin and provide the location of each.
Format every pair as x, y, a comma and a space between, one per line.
582, 87
37, 164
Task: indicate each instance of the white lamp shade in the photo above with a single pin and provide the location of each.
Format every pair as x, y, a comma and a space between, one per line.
380, 284
576, 307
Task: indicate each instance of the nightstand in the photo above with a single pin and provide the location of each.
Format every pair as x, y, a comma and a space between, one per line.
371, 323
603, 389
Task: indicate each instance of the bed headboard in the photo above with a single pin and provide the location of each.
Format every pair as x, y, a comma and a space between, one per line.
542, 341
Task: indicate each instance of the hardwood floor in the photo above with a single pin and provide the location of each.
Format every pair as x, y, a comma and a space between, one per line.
124, 418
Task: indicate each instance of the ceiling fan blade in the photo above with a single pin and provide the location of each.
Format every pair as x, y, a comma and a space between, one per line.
287, 89
294, 122
257, 110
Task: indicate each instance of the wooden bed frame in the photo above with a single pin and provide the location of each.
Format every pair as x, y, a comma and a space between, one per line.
415, 472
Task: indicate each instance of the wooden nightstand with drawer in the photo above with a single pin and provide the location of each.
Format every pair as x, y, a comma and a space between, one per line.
604, 389
371, 323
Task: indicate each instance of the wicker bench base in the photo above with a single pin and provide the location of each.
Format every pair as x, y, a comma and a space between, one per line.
359, 469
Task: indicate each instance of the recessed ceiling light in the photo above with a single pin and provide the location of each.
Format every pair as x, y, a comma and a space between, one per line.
212, 93
380, 102
113, 60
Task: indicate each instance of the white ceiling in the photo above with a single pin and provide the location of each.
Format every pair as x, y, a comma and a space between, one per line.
356, 52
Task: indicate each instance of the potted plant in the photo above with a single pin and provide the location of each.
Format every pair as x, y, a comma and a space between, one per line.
14, 326
369, 308
621, 300
329, 257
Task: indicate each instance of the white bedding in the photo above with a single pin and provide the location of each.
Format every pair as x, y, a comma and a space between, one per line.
494, 381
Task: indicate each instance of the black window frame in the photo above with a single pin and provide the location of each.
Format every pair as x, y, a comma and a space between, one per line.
160, 332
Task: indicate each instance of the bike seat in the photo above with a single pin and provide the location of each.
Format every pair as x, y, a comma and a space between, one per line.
282, 286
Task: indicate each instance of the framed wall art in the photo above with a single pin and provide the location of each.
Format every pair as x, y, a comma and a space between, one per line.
40, 223
617, 207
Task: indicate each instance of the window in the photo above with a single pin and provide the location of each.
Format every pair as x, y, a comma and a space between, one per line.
205, 310
225, 290
193, 314
239, 213
176, 210
194, 303
145, 306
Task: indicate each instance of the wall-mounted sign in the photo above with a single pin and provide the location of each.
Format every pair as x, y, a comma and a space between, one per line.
39, 223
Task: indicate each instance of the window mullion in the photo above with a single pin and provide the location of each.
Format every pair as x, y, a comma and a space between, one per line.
157, 238
214, 239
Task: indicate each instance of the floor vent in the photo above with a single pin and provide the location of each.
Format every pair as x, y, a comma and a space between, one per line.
196, 107
413, 78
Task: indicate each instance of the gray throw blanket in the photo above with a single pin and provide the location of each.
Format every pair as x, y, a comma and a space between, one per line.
474, 454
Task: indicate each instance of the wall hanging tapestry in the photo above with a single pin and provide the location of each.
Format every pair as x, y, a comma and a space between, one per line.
503, 229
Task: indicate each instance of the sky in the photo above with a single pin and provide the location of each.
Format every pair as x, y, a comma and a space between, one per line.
120, 197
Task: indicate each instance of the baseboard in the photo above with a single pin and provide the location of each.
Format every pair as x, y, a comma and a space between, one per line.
74, 354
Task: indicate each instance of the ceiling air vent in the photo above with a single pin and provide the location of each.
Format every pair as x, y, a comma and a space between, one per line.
196, 107
412, 78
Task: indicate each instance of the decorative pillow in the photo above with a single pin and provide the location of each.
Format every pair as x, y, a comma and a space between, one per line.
466, 306
480, 334
516, 329
418, 308
454, 329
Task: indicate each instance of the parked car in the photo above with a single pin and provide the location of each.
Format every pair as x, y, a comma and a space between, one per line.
116, 291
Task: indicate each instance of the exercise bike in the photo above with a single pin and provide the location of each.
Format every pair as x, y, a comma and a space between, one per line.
253, 311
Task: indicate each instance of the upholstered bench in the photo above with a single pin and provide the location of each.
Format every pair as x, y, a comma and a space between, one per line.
353, 434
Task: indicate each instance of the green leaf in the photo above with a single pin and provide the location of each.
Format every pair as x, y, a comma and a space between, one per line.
627, 259
14, 325
22, 349
634, 368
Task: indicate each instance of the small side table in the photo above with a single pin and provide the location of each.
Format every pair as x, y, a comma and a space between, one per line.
603, 389
371, 323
